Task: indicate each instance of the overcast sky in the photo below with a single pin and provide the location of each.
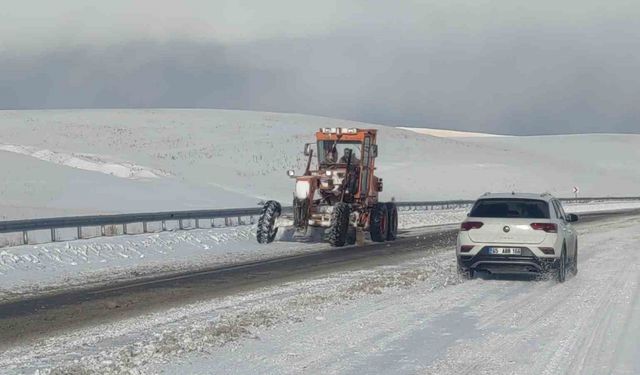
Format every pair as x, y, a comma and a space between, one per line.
503, 66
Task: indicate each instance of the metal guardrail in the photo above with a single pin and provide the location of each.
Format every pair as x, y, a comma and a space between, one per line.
102, 221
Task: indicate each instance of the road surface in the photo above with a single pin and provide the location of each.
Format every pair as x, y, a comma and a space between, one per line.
400, 311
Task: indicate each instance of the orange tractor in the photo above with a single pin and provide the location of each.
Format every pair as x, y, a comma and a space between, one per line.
340, 195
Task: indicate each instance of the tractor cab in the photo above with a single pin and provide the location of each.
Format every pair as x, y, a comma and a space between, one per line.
348, 153
332, 153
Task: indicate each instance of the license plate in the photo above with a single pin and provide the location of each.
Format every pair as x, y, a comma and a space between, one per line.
505, 250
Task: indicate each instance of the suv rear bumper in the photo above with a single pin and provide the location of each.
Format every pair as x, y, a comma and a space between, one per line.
525, 263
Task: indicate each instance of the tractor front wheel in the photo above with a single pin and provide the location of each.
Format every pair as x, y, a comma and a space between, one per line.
339, 229
379, 222
266, 223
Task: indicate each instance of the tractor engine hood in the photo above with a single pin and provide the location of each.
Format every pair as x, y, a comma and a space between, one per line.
305, 186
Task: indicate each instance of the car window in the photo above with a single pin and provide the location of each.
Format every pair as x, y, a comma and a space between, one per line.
564, 214
556, 207
511, 208
556, 210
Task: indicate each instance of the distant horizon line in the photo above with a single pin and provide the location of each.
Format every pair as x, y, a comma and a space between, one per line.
453, 132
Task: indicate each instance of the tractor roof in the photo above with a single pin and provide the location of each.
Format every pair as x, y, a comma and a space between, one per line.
344, 133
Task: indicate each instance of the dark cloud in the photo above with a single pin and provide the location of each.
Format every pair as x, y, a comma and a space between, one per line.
516, 81
140, 74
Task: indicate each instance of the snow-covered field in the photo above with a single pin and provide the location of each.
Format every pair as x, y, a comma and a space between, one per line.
100, 161
417, 316
35, 269
413, 317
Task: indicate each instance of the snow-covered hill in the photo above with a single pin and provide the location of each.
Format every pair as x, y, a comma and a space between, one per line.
444, 133
86, 161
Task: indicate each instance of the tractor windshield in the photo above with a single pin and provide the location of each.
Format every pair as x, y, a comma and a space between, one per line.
333, 152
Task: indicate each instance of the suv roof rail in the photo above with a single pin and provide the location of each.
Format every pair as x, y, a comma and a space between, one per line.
487, 193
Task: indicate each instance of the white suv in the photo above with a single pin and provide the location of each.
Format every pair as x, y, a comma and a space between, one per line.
518, 233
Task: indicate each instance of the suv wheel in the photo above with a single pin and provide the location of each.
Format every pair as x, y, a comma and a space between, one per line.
574, 261
562, 267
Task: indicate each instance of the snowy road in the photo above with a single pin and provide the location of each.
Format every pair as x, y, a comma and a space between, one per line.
396, 314
589, 325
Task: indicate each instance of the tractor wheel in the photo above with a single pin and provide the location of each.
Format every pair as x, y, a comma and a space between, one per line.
351, 235
379, 222
266, 224
300, 213
392, 212
339, 230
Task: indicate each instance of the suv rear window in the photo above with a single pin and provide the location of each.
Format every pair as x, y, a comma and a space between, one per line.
515, 208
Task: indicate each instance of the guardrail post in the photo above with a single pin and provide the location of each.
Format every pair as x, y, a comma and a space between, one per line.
144, 227
124, 228
239, 220
213, 224
103, 231
164, 225
25, 237
180, 224
197, 223
53, 234
79, 233
226, 221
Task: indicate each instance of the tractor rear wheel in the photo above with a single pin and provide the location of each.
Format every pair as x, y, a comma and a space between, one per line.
352, 236
266, 223
392, 212
379, 222
339, 229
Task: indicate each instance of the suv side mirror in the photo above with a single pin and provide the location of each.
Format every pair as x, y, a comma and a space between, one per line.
307, 149
572, 218
374, 151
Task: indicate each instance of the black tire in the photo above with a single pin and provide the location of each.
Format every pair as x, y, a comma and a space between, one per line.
267, 230
351, 236
466, 273
300, 210
561, 272
392, 214
339, 228
379, 223
574, 261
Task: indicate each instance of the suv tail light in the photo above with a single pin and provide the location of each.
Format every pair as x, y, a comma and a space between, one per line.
547, 227
468, 225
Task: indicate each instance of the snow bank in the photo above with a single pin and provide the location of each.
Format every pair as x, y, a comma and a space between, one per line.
86, 162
